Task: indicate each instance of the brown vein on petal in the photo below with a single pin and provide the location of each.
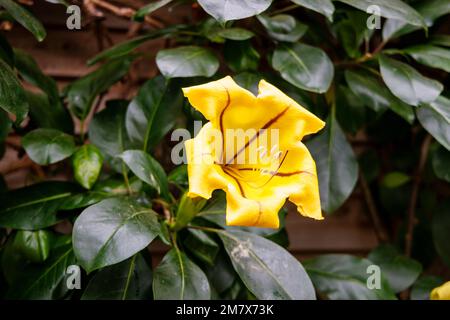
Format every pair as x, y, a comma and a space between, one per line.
259, 213
265, 127
278, 174
227, 171
221, 122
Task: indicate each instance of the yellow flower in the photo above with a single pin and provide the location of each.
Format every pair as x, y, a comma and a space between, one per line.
441, 293
251, 149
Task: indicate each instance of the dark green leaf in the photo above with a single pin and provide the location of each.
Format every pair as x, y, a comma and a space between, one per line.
237, 34
34, 245
178, 278
350, 110
149, 8
234, 9
128, 280
430, 10
407, 83
146, 168
440, 40
34, 207
179, 176
30, 71
431, 56
241, 56
441, 161
152, 113
47, 114
107, 129
324, 7
202, 246
187, 61
268, 270
124, 48
304, 66
12, 96
435, 118
47, 281
376, 96
46, 146
112, 231
337, 167
344, 277
248, 80
82, 93
25, 18
87, 163
399, 271
423, 287
394, 9
283, 27
440, 226
395, 179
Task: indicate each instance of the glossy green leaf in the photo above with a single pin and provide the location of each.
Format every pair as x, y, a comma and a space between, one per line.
201, 245
430, 10
395, 179
241, 56
107, 129
12, 96
46, 146
304, 66
34, 245
46, 281
125, 47
344, 277
268, 270
337, 167
127, 280
374, 94
178, 278
146, 168
149, 8
237, 34
234, 9
283, 27
34, 207
440, 40
187, 61
25, 18
423, 287
45, 113
441, 161
435, 118
112, 231
179, 176
87, 163
408, 84
399, 271
30, 71
350, 110
440, 226
324, 7
431, 56
152, 113
82, 92
394, 9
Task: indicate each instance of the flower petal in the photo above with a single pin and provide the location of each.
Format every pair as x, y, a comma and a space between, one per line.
441, 293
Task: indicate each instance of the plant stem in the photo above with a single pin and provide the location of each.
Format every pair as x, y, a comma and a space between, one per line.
288, 8
125, 178
206, 229
380, 231
414, 194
